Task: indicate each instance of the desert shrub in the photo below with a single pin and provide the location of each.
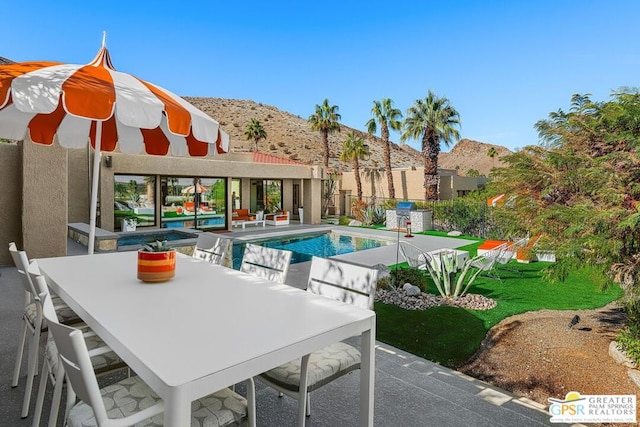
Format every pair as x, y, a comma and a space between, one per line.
358, 208
628, 339
469, 218
451, 282
344, 220
400, 276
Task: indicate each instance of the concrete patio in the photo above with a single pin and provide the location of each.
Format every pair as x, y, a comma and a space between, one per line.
409, 391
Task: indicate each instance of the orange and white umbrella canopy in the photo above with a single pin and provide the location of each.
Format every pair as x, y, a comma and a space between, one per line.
76, 104
193, 189
49, 101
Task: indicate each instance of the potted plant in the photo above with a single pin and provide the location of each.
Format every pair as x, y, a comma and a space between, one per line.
129, 223
156, 262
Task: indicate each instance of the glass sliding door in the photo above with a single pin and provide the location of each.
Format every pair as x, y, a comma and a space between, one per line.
186, 200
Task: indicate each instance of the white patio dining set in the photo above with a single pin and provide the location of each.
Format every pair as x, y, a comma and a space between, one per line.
98, 317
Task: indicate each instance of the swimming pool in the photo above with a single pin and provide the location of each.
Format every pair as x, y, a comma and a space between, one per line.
305, 246
142, 237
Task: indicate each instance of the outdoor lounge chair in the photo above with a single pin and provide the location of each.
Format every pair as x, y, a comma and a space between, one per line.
342, 281
487, 261
414, 256
136, 401
509, 253
278, 218
269, 263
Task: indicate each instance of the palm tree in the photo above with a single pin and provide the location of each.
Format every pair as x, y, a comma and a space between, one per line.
388, 117
255, 132
493, 153
325, 120
354, 149
432, 119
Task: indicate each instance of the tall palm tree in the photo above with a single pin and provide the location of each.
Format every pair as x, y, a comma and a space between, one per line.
325, 120
388, 117
434, 121
493, 153
255, 132
354, 149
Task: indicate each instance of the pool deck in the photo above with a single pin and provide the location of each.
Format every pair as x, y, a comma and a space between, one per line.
409, 391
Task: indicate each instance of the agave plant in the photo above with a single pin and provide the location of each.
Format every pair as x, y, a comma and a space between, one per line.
157, 246
450, 281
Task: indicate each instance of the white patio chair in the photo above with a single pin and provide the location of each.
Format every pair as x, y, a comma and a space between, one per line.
487, 261
103, 359
131, 401
212, 248
32, 325
350, 283
414, 256
509, 253
269, 263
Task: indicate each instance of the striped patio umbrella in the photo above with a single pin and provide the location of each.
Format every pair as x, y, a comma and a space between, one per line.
193, 189
75, 104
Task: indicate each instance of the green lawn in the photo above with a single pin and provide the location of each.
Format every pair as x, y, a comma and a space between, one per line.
450, 335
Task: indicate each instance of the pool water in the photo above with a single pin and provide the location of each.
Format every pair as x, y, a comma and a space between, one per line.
141, 238
304, 247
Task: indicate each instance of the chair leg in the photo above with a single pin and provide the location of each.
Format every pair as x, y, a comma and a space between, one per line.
302, 391
308, 405
251, 401
37, 413
57, 397
23, 340
71, 398
31, 373
34, 349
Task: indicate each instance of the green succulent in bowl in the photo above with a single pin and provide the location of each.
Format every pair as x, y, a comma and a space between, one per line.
157, 246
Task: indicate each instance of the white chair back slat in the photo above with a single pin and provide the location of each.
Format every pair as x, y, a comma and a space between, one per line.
511, 250
341, 281
269, 263
21, 262
212, 248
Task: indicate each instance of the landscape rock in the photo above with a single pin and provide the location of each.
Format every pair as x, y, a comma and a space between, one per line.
355, 223
423, 300
411, 290
619, 356
454, 233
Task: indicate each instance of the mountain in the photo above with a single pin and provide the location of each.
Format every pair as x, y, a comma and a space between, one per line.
4, 61
469, 154
290, 136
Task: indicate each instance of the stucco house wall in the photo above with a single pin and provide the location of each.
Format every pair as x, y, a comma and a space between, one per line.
408, 183
10, 199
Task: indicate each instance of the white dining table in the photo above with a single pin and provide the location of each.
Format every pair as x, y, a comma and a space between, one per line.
207, 328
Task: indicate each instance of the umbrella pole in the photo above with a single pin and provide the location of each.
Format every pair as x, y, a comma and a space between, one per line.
94, 188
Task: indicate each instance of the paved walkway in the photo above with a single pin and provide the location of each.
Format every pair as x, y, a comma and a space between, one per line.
409, 391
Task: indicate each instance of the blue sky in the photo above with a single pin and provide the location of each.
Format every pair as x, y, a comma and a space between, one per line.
503, 64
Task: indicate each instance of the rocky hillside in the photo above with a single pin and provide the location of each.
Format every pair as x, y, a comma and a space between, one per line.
5, 61
469, 154
290, 136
